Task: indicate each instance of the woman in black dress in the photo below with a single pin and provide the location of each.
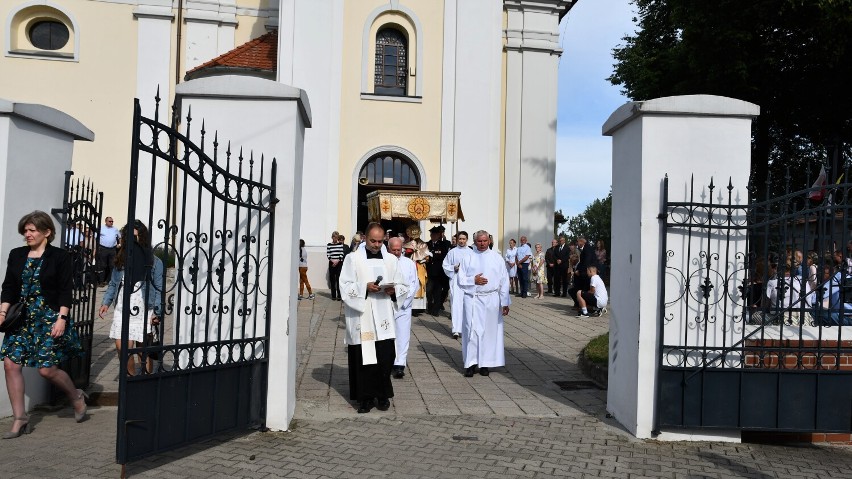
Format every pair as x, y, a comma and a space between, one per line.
41, 275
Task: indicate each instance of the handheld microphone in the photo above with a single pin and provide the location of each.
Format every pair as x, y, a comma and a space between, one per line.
378, 280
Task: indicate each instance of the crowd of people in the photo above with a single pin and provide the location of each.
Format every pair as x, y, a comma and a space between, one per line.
797, 289
384, 278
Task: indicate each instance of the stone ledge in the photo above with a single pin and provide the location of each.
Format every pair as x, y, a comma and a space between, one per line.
597, 373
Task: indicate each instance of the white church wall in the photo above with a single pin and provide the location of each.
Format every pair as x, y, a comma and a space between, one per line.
477, 111
153, 77
36, 146
532, 63
310, 57
702, 136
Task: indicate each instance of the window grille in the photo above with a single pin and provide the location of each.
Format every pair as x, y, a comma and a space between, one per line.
389, 169
391, 75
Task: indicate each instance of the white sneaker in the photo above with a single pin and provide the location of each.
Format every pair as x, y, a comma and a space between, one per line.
582, 315
312, 296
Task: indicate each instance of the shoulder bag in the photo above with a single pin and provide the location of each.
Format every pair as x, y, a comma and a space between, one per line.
17, 313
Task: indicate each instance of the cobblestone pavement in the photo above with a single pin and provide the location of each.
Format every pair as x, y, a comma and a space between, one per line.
514, 423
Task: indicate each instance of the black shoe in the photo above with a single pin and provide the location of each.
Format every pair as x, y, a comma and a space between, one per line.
484, 371
468, 373
398, 373
365, 406
456, 335
564, 295
383, 405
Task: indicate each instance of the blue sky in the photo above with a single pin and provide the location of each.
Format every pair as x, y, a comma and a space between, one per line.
586, 99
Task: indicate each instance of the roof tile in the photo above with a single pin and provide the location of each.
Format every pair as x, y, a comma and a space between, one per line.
258, 54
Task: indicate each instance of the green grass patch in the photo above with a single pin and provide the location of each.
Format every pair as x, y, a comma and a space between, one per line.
597, 351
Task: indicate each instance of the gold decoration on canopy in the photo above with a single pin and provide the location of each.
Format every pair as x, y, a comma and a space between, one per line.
436, 206
418, 208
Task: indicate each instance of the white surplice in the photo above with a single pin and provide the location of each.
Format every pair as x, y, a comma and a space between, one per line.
453, 259
402, 310
482, 330
369, 317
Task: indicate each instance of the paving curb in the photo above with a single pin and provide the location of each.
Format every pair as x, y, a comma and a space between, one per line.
596, 372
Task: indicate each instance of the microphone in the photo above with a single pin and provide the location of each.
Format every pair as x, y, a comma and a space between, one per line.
378, 280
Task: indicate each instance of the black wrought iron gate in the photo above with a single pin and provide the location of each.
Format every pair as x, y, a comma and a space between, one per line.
80, 220
755, 330
196, 281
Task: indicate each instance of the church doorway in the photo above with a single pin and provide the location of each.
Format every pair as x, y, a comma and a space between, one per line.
385, 171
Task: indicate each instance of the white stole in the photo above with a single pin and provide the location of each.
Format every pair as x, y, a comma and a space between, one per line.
355, 297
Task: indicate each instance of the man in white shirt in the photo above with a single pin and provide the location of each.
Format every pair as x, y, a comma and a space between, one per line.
370, 282
524, 259
595, 297
451, 266
485, 282
107, 242
73, 236
402, 307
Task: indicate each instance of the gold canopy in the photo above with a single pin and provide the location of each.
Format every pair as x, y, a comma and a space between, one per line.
435, 206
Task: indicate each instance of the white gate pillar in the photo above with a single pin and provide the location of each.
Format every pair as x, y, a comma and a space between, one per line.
697, 135
266, 117
36, 144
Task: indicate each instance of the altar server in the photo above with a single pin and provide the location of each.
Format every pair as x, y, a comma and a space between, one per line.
402, 309
451, 267
483, 277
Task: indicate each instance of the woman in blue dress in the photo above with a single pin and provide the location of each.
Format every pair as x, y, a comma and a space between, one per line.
41, 275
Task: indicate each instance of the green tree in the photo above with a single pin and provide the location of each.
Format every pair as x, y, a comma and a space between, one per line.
790, 57
559, 219
594, 223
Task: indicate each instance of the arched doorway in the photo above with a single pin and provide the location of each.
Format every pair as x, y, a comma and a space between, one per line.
386, 170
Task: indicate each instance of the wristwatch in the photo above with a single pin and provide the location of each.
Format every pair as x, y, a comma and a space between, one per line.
63, 316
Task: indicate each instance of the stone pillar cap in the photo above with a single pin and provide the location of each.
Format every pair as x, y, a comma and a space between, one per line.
684, 105
47, 116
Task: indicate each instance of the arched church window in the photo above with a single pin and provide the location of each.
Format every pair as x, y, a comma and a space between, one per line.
391, 62
39, 30
389, 169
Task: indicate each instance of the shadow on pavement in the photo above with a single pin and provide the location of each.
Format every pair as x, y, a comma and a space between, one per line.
336, 378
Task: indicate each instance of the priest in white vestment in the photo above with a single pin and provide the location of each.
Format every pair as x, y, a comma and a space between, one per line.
370, 283
402, 307
451, 267
483, 278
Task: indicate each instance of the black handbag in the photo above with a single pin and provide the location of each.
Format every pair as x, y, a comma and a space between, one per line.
17, 313
14, 319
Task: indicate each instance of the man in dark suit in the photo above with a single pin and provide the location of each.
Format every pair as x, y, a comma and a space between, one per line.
560, 277
550, 262
582, 281
437, 283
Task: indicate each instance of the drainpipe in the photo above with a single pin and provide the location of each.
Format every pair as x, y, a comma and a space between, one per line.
177, 47
179, 32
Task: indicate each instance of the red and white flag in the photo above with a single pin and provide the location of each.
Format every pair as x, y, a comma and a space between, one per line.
818, 195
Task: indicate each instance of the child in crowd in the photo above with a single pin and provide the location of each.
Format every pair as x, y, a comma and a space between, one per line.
595, 298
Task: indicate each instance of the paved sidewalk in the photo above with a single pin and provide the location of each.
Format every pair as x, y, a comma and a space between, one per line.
514, 423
